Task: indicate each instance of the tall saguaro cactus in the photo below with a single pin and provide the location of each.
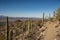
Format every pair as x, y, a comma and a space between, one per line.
54, 15
49, 16
43, 18
7, 28
12, 35
28, 25
31, 25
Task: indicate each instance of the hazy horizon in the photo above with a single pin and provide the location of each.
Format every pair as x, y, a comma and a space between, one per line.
28, 8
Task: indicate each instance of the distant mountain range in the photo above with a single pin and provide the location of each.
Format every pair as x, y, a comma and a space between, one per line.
17, 18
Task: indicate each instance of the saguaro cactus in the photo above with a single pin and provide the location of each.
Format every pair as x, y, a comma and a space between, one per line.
49, 16
31, 25
7, 28
12, 35
43, 18
54, 16
28, 25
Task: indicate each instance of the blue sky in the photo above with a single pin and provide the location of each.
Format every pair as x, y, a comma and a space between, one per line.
28, 8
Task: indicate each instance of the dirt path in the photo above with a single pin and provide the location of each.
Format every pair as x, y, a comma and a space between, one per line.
50, 32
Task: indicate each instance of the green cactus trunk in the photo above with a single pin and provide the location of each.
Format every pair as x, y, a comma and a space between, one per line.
28, 25
12, 35
54, 16
7, 28
31, 25
49, 17
43, 19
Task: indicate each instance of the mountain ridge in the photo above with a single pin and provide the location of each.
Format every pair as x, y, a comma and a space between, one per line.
19, 18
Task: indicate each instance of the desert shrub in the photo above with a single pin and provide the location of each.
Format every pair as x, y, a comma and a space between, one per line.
2, 37
57, 12
2, 24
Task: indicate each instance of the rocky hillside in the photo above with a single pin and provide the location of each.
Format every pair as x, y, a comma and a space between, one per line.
48, 31
32, 30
